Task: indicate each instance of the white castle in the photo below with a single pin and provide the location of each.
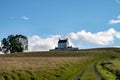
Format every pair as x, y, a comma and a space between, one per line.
63, 44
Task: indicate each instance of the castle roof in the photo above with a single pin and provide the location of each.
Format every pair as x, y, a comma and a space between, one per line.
62, 41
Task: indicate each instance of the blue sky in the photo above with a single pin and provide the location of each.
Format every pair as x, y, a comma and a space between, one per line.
40, 19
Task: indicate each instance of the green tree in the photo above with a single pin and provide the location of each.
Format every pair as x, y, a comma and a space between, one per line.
14, 44
5, 45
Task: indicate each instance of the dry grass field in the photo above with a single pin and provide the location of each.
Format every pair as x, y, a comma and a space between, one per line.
8, 63
57, 65
43, 65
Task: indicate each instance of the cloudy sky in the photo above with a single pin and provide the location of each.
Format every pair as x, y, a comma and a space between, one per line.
87, 23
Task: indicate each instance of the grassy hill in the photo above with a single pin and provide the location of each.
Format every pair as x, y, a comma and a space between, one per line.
61, 65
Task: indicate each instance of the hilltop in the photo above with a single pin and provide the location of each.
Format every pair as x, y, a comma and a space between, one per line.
60, 53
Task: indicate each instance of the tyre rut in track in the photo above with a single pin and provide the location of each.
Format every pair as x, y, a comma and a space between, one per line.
80, 74
97, 73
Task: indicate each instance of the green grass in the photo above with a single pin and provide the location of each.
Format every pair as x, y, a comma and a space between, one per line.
89, 72
112, 65
106, 75
56, 65
41, 68
105, 65
61, 72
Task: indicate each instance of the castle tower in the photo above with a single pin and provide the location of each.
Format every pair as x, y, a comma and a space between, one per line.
63, 43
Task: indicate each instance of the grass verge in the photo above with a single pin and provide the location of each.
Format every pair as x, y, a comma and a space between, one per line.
106, 75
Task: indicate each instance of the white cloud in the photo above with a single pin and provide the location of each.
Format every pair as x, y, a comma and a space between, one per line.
115, 21
99, 38
37, 43
25, 18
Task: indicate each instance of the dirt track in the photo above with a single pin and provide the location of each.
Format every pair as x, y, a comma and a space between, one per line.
82, 72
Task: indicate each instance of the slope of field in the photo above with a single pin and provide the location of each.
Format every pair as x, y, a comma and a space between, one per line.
108, 67
54, 65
